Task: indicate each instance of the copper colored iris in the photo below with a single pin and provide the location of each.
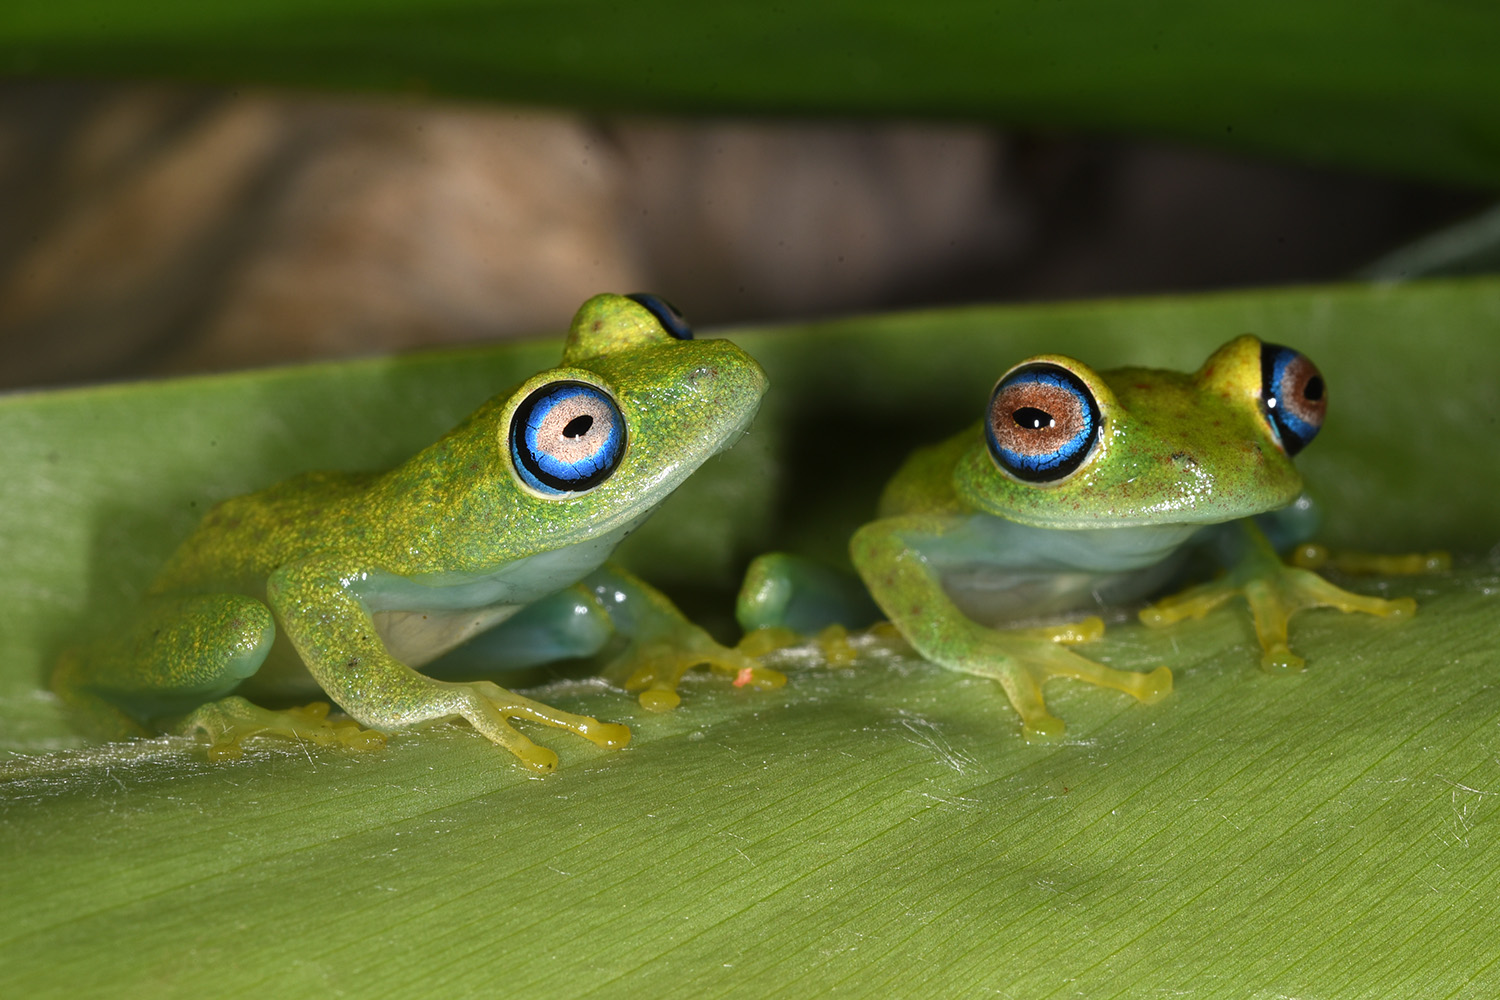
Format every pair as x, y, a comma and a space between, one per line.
1036, 419
1303, 392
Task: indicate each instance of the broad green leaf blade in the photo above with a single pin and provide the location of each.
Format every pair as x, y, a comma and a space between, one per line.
873, 832
1386, 86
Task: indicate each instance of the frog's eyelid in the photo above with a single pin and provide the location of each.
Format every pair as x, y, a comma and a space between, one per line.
668, 315
1293, 396
1043, 423
566, 437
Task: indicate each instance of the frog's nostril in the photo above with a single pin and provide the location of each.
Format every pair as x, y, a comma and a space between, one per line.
1184, 460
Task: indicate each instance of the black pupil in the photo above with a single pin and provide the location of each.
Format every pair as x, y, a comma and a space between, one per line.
1032, 418
1314, 388
578, 426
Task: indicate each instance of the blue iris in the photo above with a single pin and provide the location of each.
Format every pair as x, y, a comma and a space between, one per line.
666, 314
567, 437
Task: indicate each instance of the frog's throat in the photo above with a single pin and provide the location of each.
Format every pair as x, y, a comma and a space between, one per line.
1166, 517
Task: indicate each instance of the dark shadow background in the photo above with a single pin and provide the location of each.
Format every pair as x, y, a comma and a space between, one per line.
147, 230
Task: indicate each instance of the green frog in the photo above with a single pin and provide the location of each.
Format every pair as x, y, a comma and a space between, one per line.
1078, 489
503, 526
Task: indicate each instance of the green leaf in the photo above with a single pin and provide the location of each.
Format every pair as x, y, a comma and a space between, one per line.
877, 831
1389, 86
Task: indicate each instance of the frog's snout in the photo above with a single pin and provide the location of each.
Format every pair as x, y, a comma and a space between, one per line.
729, 367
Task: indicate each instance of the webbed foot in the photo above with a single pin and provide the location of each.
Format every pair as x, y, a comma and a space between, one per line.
655, 668
832, 641
488, 707
230, 721
1274, 593
1022, 660
1312, 556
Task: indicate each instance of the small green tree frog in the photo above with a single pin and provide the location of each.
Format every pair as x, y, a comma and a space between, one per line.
1078, 489
503, 526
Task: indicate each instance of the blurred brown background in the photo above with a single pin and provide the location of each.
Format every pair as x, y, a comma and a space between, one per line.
146, 230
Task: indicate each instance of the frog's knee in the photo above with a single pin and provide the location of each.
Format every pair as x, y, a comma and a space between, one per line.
201, 643
176, 654
786, 591
765, 593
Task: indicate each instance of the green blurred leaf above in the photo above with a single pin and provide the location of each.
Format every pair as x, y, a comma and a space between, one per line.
1399, 87
874, 832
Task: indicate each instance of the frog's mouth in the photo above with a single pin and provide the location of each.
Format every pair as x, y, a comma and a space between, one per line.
734, 434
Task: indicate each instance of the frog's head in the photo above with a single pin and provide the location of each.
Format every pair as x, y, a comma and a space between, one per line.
1067, 447
635, 407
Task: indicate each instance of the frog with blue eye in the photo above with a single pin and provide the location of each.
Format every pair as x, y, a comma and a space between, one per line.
1079, 488
501, 527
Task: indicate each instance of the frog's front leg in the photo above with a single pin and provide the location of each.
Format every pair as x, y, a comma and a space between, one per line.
1274, 592
663, 644
1021, 660
336, 637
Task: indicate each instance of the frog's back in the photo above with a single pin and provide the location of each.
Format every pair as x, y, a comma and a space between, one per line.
241, 540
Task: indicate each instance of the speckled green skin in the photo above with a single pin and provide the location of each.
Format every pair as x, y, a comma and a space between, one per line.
1175, 448
960, 546
446, 544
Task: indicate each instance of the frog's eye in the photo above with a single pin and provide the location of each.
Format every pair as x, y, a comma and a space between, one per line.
666, 314
1043, 423
566, 437
1294, 395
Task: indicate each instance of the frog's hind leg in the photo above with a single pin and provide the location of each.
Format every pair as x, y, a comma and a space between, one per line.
175, 654
663, 645
92, 712
229, 721
785, 598
174, 667
1313, 556
796, 593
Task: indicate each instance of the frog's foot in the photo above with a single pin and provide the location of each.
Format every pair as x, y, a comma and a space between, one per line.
489, 707
1312, 556
767, 639
1273, 597
832, 641
1024, 659
838, 653
229, 721
656, 668
1088, 630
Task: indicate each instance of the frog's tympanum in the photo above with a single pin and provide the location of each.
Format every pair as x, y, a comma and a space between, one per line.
502, 527
1078, 489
